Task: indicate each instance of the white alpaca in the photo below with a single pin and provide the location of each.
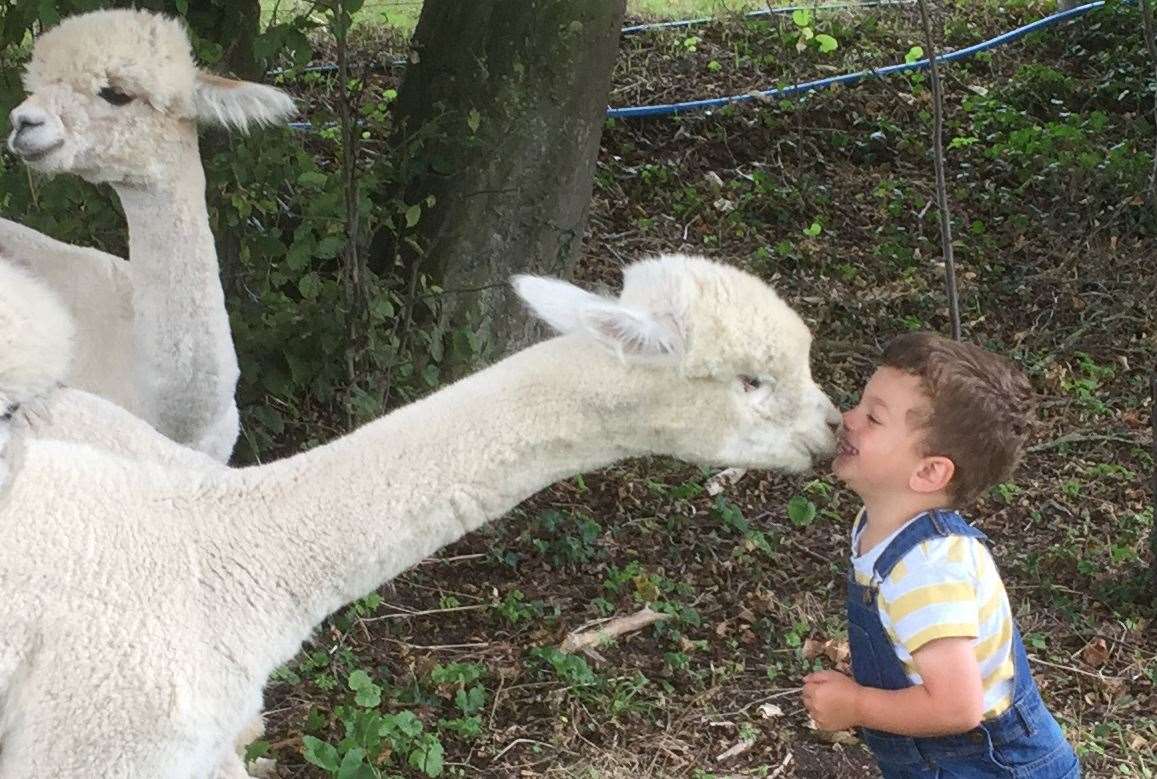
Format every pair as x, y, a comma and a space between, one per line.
146, 604
114, 96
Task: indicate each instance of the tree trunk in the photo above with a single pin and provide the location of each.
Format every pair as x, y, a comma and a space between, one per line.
516, 91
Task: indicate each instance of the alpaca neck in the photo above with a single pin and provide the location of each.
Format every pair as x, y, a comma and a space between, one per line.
351, 515
186, 367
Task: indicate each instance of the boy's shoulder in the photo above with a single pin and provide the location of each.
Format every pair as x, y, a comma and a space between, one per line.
942, 561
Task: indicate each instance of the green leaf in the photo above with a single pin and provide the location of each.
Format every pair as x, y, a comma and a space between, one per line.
309, 286
914, 54
404, 722
801, 511
182, 7
827, 43
802, 17
812, 230
352, 763
473, 120
312, 179
413, 215
320, 753
359, 679
427, 757
329, 246
48, 13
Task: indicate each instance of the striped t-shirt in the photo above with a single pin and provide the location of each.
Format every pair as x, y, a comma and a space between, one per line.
944, 587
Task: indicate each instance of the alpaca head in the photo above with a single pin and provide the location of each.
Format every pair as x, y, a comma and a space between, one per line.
113, 94
35, 338
728, 356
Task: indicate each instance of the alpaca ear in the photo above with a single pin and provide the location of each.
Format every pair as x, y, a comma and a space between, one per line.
235, 104
635, 336
555, 302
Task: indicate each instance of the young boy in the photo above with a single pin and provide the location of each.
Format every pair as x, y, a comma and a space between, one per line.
942, 685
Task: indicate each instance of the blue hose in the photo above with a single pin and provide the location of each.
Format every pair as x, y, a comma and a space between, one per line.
669, 109
851, 78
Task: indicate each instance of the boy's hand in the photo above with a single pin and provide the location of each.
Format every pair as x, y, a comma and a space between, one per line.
831, 699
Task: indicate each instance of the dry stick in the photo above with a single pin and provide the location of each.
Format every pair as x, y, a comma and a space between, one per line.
613, 629
1151, 44
941, 186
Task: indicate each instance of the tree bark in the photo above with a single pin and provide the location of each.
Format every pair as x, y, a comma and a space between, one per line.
512, 95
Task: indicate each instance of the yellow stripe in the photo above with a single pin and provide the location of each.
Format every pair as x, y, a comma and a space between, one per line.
899, 571
949, 630
993, 605
934, 594
957, 546
984, 650
1004, 672
999, 708
863, 579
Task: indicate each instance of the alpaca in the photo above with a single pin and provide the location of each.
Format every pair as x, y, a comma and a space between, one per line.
146, 605
114, 96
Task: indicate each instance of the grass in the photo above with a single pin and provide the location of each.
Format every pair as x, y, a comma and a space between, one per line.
403, 14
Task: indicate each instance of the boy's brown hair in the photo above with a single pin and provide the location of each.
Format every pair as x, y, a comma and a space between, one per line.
981, 408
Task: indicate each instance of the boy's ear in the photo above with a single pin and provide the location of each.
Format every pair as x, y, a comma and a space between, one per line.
933, 474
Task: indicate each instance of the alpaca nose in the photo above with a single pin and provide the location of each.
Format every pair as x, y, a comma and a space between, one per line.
24, 119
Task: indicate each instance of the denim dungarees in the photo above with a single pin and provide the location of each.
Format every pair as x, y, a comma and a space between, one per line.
1024, 741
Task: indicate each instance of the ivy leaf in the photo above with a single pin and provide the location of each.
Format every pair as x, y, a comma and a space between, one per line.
827, 43
473, 120
914, 54
182, 7
413, 215
320, 753
812, 230
802, 17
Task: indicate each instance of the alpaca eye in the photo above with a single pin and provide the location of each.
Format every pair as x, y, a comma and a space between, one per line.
115, 96
750, 383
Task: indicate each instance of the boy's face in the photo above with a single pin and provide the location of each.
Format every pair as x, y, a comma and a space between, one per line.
880, 447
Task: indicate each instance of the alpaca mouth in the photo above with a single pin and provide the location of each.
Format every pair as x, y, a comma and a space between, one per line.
33, 155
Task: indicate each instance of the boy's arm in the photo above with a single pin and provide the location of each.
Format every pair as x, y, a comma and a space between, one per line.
950, 700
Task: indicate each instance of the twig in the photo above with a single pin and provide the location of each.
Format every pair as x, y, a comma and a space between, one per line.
1077, 438
941, 186
407, 614
1071, 669
782, 766
613, 629
518, 741
453, 559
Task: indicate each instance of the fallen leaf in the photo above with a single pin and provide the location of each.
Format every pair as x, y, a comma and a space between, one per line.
1095, 653
770, 711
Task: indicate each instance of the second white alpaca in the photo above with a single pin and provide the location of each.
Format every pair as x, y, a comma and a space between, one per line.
146, 604
114, 96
